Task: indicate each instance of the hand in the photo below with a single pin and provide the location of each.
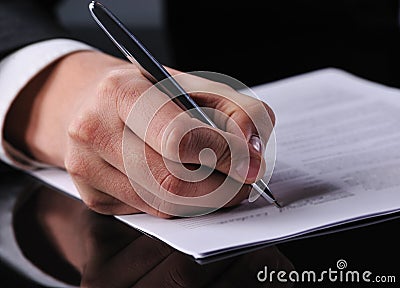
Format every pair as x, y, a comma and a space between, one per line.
80, 106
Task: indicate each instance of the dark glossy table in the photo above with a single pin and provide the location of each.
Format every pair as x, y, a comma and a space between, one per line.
48, 239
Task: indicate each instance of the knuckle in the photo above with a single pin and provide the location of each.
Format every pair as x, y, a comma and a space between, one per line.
219, 143
163, 209
89, 131
111, 88
223, 151
187, 147
100, 205
84, 129
128, 94
76, 166
173, 184
213, 139
163, 215
259, 110
111, 82
120, 89
175, 141
184, 145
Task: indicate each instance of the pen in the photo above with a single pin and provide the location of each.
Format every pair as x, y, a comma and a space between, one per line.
135, 51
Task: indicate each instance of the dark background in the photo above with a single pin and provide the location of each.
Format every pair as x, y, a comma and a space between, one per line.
263, 41
257, 41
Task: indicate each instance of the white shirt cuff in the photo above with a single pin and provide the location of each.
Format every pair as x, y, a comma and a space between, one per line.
16, 70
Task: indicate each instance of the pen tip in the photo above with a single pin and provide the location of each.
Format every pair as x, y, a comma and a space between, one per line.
277, 204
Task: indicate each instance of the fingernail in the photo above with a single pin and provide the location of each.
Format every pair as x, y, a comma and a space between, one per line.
248, 169
256, 143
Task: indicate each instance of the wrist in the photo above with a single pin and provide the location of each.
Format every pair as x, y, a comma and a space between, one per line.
37, 121
20, 117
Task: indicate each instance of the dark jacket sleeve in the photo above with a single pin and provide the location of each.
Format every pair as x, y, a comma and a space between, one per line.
23, 22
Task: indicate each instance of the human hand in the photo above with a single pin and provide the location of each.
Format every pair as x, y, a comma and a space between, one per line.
82, 106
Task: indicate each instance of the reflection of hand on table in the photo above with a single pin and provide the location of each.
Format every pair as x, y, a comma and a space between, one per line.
109, 254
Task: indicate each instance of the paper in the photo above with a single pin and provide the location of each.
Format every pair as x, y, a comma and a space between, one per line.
338, 160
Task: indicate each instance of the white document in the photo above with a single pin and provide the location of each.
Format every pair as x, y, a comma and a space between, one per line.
338, 160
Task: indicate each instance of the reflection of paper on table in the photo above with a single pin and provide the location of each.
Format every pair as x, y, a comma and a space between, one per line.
338, 160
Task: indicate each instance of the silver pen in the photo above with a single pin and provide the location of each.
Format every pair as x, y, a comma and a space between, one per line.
135, 51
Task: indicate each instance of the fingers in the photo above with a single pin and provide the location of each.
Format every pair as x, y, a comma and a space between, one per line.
175, 186
192, 141
101, 202
92, 176
156, 186
172, 133
105, 189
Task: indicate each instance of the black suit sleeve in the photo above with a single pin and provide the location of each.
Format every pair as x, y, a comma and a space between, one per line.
23, 22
